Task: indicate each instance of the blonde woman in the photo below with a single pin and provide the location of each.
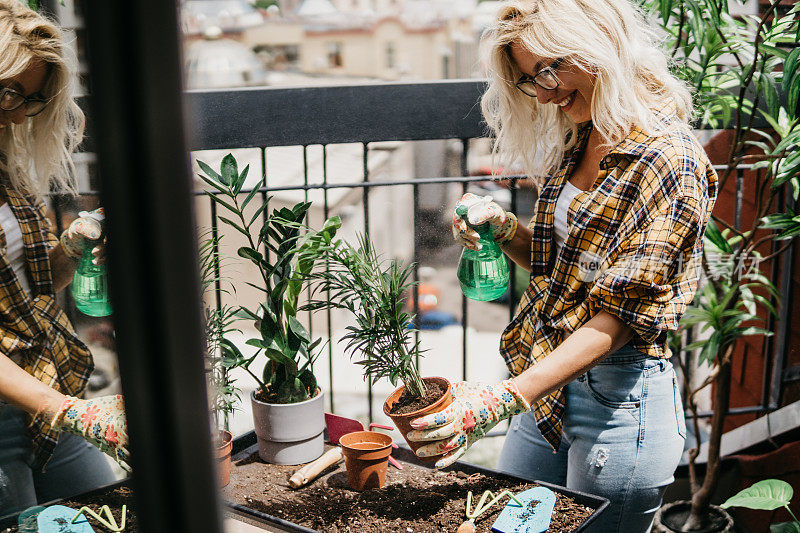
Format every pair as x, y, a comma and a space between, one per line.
581, 94
44, 367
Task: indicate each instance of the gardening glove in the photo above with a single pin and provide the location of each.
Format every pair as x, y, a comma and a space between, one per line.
87, 228
101, 421
482, 209
475, 410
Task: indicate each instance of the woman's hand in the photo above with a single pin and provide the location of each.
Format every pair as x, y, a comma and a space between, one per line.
481, 210
101, 421
86, 228
475, 410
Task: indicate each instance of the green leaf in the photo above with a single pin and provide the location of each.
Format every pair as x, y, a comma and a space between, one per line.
790, 67
259, 211
298, 329
715, 236
240, 180
234, 225
229, 170
248, 253
251, 195
768, 495
210, 172
785, 527
755, 331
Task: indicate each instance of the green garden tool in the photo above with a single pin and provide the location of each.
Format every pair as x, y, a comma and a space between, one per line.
472, 515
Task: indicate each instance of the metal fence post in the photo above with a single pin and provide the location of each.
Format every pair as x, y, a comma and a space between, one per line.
135, 67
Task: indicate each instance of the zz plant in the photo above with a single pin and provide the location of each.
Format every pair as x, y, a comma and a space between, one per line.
284, 252
373, 291
742, 68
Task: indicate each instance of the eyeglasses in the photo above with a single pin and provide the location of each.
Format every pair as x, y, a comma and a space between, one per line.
545, 78
11, 100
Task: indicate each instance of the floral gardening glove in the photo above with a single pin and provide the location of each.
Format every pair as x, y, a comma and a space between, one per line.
87, 227
475, 410
482, 209
101, 421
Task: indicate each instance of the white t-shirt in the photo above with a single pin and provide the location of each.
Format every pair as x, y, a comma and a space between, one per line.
15, 251
568, 193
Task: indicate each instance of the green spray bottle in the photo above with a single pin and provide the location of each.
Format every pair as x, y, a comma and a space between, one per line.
483, 274
90, 282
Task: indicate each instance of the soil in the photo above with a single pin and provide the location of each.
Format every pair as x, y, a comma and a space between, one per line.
115, 499
407, 403
678, 515
414, 500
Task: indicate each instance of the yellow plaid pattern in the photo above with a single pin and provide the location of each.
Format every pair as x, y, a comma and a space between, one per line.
633, 250
33, 326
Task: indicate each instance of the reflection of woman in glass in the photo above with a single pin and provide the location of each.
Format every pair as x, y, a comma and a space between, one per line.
580, 94
44, 368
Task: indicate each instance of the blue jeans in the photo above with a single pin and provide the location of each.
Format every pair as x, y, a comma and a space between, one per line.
623, 438
75, 467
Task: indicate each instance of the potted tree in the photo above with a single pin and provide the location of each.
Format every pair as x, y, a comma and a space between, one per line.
223, 393
374, 291
287, 404
738, 67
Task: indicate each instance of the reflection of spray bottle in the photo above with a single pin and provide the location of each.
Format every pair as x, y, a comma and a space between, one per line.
90, 283
483, 274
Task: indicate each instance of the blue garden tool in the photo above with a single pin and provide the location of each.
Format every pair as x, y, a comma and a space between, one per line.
473, 514
532, 516
58, 519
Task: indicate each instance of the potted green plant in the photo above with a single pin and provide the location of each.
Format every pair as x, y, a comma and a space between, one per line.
374, 291
223, 394
738, 66
287, 404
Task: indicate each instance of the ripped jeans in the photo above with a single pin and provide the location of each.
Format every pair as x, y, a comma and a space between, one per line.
75, 467
623, 438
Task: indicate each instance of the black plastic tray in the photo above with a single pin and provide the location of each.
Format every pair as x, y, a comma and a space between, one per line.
402, 454
407, 456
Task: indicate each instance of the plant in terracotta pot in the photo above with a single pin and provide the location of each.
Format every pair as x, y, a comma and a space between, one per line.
287, 404
223, 394
739, 66
382, 339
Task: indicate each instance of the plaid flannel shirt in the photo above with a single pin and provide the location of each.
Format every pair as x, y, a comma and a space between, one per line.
33, 328
634, 249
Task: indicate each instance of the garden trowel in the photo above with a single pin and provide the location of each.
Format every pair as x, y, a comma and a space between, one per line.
341, 425
58, 519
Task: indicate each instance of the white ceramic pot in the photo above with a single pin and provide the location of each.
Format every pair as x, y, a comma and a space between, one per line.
291, 433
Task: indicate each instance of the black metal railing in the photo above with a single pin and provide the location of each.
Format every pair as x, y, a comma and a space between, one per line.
269, 117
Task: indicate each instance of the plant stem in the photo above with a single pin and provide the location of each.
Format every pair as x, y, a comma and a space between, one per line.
702, 498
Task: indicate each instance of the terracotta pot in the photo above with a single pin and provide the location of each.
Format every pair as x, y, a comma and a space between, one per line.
403, 422
671, 518
290, 433
366, 457
224, 457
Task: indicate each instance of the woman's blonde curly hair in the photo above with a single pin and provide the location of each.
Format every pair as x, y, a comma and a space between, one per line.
36, 155
611, 40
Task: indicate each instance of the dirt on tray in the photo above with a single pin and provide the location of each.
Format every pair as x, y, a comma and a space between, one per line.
114, 498
414, 500
407, 403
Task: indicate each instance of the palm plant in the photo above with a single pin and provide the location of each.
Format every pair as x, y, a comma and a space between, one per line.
374, 291
223, 393
738, 66
291, 252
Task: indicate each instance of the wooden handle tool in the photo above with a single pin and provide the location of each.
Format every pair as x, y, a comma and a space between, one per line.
314, 468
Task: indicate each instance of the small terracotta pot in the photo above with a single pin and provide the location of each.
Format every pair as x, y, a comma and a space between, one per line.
403, 422
224, 457
366, 457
